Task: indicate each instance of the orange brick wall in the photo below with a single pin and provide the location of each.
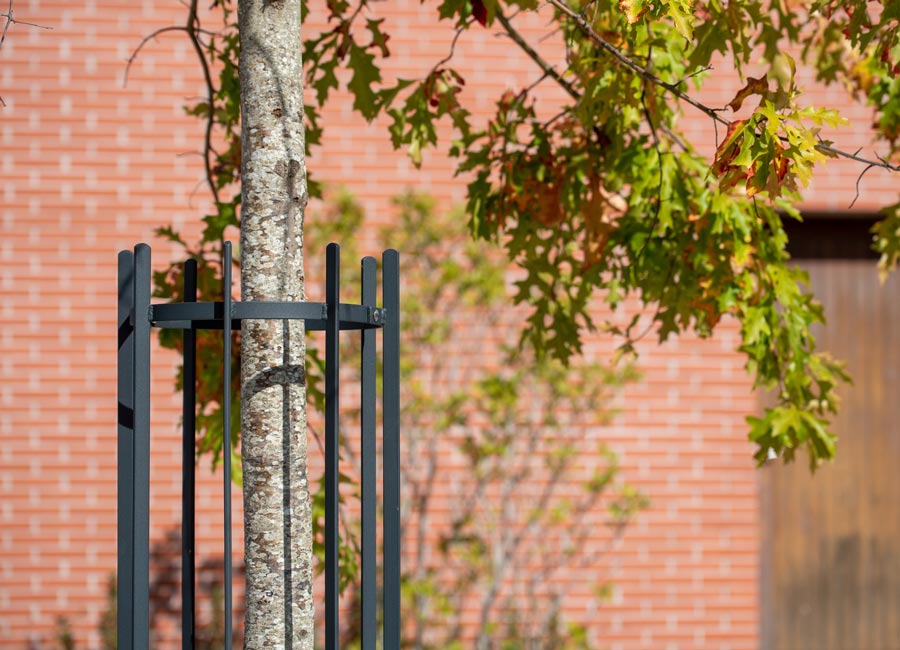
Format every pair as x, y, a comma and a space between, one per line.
89, 167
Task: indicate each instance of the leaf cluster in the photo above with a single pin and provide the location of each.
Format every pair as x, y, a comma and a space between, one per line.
604, 196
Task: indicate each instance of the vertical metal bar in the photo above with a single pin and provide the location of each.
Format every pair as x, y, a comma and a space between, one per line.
368, 452
332, 385
391, 450
226, 429
188, 445
141, 447
125, 559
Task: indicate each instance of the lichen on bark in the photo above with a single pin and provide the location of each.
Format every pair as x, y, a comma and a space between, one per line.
277, 516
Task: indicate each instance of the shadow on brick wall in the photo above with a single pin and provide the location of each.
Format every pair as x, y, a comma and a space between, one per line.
165, 602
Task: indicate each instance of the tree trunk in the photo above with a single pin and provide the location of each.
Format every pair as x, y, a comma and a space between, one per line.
277, 516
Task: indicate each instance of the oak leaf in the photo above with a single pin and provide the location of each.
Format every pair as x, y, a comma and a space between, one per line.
758, 86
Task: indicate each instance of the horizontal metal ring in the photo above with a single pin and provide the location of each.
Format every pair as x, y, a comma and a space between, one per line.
210, 315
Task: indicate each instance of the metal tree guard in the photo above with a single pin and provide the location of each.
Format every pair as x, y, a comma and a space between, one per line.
136, 316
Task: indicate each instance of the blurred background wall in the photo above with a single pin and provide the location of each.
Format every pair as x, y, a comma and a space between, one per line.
90, 166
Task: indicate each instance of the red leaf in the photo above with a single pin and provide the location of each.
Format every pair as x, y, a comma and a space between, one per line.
479, 11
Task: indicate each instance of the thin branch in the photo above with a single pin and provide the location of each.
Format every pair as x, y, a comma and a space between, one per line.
534, 84
549, 35
356, 13
639, 70
508, 550
881, 162
674, 137
193, 29
858, 179
695, 73
630, 341
515, 13
149, 37
196, 188
548, 69
144, 41
23, 22
553, 119
649, 119
712, 113
459, 31
11, 20
659, 190
193, 24
587, 7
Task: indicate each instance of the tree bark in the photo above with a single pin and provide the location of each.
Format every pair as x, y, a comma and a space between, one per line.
277, 515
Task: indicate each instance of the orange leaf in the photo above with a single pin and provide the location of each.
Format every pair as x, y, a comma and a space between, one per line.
729, 149
781, 167
634, 9
754, 87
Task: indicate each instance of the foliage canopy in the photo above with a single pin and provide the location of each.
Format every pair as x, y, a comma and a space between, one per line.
606, 195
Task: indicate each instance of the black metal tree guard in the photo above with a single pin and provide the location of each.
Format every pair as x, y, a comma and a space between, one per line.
137, 316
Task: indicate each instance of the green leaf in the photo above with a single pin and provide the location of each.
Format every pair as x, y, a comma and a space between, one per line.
887, 240
226, 216
365, 73
682, 14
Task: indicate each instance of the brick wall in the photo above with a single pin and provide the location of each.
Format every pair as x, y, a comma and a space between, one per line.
90, 166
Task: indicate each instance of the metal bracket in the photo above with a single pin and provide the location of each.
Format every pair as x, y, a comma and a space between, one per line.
210, 315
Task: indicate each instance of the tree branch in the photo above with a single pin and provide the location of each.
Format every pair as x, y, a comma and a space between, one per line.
459, 31
193, 30
11, 20
673, 89
858, 180
144, 41
548, 69
659, 190
193, 25
639, 70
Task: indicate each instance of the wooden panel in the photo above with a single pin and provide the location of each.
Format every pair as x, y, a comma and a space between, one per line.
831, 237
830, 553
